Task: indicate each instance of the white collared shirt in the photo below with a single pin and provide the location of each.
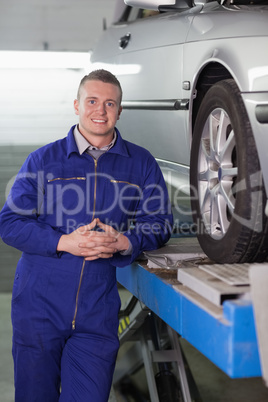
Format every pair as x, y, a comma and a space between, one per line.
84, 146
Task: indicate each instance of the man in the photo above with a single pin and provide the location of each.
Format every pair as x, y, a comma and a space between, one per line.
79, 207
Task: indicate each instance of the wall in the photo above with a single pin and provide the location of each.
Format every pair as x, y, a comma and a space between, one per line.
36, 104
36, 107
52, 24
11, 158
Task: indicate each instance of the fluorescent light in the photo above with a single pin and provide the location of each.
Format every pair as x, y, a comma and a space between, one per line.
44, 60
118, 69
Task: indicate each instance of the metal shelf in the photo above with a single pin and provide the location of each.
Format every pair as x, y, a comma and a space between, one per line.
224, 334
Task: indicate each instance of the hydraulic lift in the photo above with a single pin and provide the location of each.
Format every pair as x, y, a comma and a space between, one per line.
209, 307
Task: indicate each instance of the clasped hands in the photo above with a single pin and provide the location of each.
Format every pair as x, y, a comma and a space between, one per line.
93, 244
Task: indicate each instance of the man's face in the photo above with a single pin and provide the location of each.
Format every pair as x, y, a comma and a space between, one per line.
98, 109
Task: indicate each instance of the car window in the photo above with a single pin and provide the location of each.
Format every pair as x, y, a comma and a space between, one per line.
131, 14
148, 13
134, 14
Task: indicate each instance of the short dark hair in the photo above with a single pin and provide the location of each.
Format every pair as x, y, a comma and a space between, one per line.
101, 75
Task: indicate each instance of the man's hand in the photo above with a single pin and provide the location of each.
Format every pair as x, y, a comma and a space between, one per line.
91, 244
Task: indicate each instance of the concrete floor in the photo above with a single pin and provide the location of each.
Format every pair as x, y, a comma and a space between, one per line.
216, 386
213, 384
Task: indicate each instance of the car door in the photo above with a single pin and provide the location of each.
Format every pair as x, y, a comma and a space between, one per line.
145, 52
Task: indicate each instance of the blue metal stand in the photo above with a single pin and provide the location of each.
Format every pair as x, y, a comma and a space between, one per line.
229, 341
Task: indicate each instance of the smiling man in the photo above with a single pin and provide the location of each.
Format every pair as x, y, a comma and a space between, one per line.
98, 106
79, 207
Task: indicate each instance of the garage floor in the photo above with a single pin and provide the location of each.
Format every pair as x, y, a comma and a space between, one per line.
213, 384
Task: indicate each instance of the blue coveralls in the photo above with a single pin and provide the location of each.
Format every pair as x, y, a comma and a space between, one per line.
65, 309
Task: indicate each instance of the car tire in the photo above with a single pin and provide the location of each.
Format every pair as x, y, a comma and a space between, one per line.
227, 193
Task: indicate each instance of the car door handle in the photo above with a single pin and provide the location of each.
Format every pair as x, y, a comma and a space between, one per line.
123, 42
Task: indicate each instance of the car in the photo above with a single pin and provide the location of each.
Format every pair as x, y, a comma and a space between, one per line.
194, 75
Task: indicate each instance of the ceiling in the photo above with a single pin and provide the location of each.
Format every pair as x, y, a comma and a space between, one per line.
58, 25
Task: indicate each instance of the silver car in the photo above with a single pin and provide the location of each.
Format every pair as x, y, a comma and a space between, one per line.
195, 83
